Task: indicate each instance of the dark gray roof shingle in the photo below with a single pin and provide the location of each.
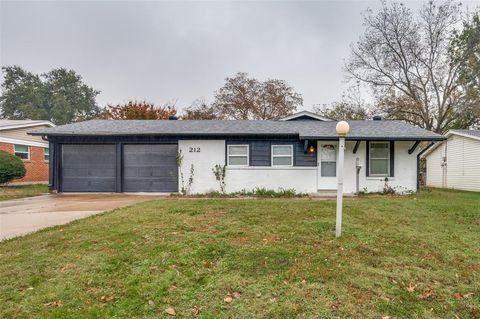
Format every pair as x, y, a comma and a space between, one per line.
303, 129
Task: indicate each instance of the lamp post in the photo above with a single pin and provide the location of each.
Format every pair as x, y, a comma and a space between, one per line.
342, 131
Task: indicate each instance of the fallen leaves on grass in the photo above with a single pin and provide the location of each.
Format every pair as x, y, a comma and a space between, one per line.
107, 298
427, 293
171, 311
232, 295
55, 303
196, 310
411, 287
236, 294
460, 296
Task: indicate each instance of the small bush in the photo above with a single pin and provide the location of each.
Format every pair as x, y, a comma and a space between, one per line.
11, 167
257, 192
280, 193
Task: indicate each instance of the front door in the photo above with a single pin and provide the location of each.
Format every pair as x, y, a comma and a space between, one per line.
327, 165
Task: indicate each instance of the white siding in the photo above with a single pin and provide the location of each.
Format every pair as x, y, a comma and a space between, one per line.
434, 176
211, 152
405, 169
21, 134
462, 169
302, 179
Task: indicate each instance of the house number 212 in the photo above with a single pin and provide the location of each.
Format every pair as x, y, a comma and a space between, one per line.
194, 149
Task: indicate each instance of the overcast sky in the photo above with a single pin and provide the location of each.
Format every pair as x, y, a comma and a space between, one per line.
165, 51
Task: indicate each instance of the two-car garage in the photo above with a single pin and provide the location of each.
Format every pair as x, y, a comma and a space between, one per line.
119, 168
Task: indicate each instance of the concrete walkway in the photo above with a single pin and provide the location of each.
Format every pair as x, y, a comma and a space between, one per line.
23, 216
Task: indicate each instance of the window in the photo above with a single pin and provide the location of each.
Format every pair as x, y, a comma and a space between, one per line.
328, 160
237, 155
379, 158
22, 151
282, 155
46, 154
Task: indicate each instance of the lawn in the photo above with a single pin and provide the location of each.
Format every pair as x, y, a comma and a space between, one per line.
416, 256
20, 191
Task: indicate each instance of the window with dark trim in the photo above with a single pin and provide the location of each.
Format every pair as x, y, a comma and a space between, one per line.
238, 155
379, 158
282, 155
328, 160
22, 151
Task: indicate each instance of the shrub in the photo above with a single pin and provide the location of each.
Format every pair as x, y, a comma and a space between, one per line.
11, 167
280, 193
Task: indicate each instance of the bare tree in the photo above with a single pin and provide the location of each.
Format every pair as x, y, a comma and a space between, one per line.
404, 58
351, 107
244, 98
200, 110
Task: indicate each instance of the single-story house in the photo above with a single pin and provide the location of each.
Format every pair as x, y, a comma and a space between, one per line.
455, 162
33, 150
299, 153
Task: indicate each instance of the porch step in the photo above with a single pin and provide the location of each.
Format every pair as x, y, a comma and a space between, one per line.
325, 193
328, 193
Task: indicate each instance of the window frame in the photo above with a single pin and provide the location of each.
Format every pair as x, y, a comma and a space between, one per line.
321, 161
387, 174
272, 156
46, 154
28, 152
236, 155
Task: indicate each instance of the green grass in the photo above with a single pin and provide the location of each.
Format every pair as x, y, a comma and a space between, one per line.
21, 191
280, 255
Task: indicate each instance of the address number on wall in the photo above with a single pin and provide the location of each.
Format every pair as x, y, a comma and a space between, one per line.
194, 149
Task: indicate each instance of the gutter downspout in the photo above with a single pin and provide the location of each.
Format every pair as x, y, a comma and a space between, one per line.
418, 162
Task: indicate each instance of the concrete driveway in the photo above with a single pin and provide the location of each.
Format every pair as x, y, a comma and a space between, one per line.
23, 216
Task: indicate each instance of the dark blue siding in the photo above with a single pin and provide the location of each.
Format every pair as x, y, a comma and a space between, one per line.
260, 150
302, 159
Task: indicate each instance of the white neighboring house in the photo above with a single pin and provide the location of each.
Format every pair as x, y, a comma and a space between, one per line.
455, 162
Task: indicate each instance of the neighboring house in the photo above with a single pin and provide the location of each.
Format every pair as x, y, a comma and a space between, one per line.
141, 156
33, 150
455, 163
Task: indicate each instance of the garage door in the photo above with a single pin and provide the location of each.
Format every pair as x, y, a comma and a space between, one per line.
150, 168
88, 168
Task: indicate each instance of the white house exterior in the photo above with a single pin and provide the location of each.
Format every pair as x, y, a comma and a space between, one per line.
299, 152
302, 179
455, 162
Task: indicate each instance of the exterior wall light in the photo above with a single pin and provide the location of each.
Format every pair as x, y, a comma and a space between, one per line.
311, 149
342, 130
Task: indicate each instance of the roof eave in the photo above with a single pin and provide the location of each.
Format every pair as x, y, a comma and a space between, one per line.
160, 134
376, 138
12, 127
453, 132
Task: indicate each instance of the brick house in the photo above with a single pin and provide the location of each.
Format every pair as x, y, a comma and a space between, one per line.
33, 150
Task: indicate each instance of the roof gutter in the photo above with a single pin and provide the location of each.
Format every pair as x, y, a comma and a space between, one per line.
381, 138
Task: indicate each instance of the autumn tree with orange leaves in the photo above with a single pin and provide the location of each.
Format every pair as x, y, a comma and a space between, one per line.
135, 110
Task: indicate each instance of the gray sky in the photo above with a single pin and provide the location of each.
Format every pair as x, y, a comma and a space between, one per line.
165, 51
